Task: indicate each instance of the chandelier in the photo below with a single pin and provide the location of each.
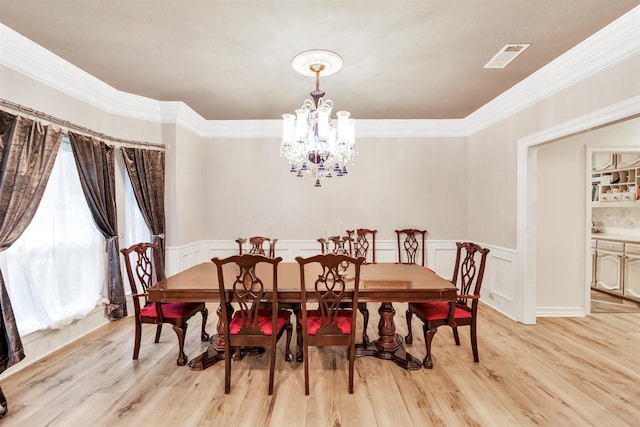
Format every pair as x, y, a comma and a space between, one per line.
311, 141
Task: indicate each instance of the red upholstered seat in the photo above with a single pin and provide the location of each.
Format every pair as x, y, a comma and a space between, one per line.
172, 310
143, 269
328, 325
343, 318
259, 320
467, 276
264, 321
438, 310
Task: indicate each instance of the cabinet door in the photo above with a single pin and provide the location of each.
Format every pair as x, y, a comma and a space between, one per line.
632, 276
625, 160
603, 162
608, 271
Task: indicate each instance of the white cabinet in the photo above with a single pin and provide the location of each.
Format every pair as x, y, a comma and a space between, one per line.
615, 178
627, 160
603, 162
631, 270
616, 267
631, 277
608, 271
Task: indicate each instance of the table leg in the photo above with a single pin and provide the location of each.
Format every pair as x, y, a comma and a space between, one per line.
215, 351
389, 344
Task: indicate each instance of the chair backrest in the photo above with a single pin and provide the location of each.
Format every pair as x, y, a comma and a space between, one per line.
142, 261
411, 244
256, 246
362, 243
248, 289
340, 245
336, 278
467, 274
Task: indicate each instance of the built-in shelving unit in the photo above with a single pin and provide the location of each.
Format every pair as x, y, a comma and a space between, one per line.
615, 179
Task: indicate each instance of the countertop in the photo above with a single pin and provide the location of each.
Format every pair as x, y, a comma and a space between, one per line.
619, 237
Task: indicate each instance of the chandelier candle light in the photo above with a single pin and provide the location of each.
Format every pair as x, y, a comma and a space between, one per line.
311, 141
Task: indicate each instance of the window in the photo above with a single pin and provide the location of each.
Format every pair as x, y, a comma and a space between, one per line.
56, 271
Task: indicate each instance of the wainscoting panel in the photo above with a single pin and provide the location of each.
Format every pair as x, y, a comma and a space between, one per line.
499, 290
499, 287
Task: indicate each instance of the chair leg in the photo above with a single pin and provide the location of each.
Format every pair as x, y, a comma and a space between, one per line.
204, 336
272, 362
181, 331
409, 338
227, 371
288, 356
352, 356
474, 341
365, 317
299, 343
455, 335
428, 337
305, 356
136, 342
158, 332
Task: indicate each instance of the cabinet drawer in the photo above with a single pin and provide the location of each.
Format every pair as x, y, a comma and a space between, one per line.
632, 248
610, 246
594, 243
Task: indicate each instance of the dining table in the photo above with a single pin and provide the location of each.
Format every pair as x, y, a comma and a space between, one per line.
384, 283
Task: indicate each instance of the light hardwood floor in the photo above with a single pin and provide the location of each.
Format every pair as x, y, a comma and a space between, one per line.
560, 372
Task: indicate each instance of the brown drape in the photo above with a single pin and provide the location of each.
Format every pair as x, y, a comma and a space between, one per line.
95, 161
146, 172
27, 153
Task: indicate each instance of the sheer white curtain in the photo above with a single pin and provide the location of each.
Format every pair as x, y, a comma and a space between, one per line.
136, 230
56, 271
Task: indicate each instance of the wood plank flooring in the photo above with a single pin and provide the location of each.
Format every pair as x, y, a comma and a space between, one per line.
560, 372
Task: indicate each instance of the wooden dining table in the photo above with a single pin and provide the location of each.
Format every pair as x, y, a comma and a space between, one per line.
385, 283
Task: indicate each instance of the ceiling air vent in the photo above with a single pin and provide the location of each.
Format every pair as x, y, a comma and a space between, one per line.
507, 54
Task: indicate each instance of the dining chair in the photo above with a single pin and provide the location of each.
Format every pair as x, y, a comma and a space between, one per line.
256, 246
335, 245
411, 246
362, 243
345, 245
142, 261
331, 279
252, 324
467, 275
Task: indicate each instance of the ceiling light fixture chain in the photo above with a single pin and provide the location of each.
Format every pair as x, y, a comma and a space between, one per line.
310, 140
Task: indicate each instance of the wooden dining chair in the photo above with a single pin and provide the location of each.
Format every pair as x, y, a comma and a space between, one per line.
411, 246
256, 246
331, 279
467, 275
252, 324
362, 243
345, 245
142, 261
335, 245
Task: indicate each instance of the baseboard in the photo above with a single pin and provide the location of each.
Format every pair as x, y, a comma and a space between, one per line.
560, 312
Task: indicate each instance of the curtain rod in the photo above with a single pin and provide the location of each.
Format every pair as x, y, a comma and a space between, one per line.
72, 126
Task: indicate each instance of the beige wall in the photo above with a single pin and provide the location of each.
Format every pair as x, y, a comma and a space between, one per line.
562, 211
185, 186
395, 183
492, 158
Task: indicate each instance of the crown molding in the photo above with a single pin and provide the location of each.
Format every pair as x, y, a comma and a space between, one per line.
611, 45
608, 47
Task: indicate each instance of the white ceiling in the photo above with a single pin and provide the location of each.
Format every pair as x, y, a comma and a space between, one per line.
232, 59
